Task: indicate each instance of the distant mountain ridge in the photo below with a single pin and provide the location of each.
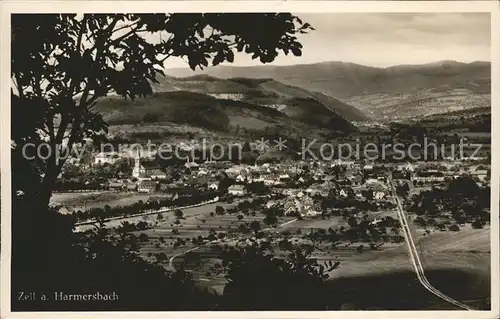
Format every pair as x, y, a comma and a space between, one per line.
343, 79
300, 99
401, 91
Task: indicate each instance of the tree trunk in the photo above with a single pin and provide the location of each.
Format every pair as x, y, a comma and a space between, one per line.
47, 185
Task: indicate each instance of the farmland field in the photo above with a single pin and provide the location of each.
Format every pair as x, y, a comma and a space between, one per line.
447, 254
468, 249
400, 290
457, 263
99, 199
352, 262
189, 214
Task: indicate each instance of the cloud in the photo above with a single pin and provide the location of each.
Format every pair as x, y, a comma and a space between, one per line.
383, 39
396, 27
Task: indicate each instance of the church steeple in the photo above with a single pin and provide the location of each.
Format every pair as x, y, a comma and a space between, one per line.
136, 172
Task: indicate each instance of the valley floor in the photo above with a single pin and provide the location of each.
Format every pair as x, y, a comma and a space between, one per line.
456, 263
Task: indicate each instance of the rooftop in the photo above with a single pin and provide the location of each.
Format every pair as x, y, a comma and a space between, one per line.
191, 164
236, 187
147, 183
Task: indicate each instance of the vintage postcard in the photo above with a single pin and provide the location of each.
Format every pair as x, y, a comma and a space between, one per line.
237, 159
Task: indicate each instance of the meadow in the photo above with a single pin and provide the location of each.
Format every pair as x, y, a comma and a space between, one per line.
457, 263
87, 200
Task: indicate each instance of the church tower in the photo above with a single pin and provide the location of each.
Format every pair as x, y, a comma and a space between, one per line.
136, 172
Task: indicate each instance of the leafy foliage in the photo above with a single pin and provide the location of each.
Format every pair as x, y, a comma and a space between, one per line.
141, 207
73, 60
69, 62
259, 280
464, 199
97, 260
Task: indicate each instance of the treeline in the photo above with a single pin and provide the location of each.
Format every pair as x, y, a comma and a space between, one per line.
463, 199
472, 123
77, 178
141, 207
358, 205
365, 231
359, 230
67, 186
98, 260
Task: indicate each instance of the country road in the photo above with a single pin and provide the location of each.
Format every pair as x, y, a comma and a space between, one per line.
415, 258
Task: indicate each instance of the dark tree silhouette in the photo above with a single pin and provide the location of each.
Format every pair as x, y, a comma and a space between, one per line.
403, 190
71, 61
178, 213
61, 65
255, 226
258, 280
219, 210
270, 219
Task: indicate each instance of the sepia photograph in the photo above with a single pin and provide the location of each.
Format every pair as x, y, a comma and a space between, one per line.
225, 159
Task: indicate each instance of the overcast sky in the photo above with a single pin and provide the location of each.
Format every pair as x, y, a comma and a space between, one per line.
385, 39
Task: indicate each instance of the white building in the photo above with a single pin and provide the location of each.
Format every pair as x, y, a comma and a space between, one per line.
343, 193
270, 204
240, 178
202, 172
146, 186
227, 96
106, 158
284, 177
481, 174
429, 176
269, 182
158, 174
236, 190
191, 165
379, 195
213, 186
368, 167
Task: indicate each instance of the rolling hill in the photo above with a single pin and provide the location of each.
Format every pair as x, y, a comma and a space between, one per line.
402, 91
262, 91
473, 120
223, 114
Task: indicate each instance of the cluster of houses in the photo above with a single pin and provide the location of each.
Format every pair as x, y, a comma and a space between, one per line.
281, 174
317, 177
431, 173
303, 200
240, 96
228, 96
306, 202
302, 205
148, 176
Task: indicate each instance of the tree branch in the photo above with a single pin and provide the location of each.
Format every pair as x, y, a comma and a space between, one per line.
126, 35
125, 27
83, 103
19, 87
77, 52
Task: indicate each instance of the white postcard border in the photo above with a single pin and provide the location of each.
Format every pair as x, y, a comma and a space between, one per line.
8, 7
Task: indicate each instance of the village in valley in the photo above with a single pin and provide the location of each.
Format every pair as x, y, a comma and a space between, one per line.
242, 161
183, 214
